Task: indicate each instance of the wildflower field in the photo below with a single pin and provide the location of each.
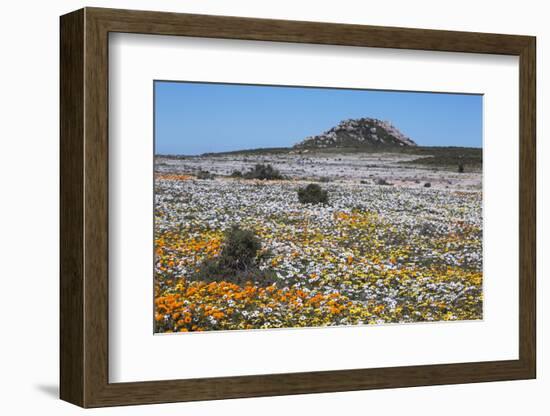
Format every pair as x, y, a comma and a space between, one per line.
371, 254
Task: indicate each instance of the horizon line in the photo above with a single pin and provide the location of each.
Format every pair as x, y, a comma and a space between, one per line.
389, 148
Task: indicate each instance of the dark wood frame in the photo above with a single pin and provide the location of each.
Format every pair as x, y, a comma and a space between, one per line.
84, 207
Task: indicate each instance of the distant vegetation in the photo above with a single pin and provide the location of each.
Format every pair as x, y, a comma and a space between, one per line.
459, 159
428, 155
262, 172
448, 163
204, 174
382, 181
265, 150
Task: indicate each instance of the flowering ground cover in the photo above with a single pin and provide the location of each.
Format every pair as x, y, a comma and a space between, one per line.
371, 255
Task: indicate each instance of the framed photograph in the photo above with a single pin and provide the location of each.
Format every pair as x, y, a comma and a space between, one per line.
254, 207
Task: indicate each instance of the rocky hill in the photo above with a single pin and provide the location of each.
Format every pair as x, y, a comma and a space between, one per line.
362, 132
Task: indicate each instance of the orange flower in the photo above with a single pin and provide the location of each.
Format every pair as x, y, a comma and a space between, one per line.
334, 310
378, 309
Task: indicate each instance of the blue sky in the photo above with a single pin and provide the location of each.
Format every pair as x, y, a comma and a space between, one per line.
195, 118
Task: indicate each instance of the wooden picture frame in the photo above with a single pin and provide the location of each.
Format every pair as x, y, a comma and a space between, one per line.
84, 207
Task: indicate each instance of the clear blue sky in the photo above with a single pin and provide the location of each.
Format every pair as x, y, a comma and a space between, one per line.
195, 118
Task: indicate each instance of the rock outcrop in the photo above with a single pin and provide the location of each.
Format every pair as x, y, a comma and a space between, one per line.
362, 132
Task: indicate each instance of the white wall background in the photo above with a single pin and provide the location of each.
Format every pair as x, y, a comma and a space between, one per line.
29, 84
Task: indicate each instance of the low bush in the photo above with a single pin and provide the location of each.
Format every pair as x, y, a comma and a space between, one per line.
204, 174
240, 248
382, 181
236, 174
427, 185
263, 172
237, 262
312, 194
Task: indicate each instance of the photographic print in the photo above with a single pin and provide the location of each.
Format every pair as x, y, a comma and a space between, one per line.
289, 207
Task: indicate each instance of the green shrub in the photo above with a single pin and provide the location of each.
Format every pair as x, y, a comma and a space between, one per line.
312, 194
460, 167
237, 262
263, 172
383, 182
204, 174
236, 174
240, 248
